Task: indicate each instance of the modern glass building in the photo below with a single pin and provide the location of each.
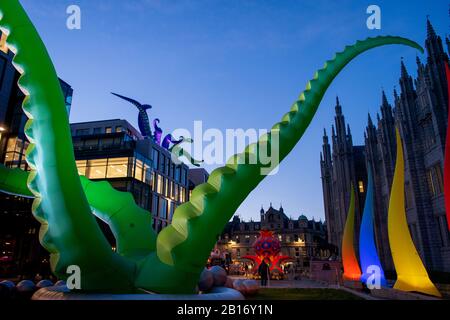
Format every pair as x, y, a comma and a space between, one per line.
114, 150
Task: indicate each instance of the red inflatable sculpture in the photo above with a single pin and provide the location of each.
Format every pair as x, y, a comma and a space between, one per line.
267, 246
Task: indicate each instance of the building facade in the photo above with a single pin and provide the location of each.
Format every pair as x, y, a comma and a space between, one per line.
420, 113
301, 239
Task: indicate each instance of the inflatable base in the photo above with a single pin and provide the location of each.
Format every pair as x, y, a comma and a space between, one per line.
63, 293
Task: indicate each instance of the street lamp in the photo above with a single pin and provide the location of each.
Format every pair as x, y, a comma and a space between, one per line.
2, 129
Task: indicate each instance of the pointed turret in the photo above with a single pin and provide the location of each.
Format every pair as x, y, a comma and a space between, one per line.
384, 101
395, 93
406, 82
434, 46
369, 120
325, 155
435, 69
339, 120
325, 136
403, 71
430, 30
338, 106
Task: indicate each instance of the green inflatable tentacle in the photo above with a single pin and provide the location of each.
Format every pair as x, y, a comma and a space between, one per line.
130, 224
213, 203
14, 181
68, 229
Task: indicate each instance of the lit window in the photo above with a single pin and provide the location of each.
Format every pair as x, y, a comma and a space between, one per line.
96, 169
118, 129
147, 174
361, 186
172, 189
153, 180
81, 166
182, 194
11, 146
160, 184
175, 194
108, 130
139, 170
165, 187
117, 168
3, 46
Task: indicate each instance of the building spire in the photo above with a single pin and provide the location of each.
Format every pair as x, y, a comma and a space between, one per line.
325, 136
404, 72
369, 120
338, 107
395, 92
419, 63
430, 30
384, 100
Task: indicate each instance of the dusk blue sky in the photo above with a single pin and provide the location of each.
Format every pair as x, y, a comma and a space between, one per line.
232, 64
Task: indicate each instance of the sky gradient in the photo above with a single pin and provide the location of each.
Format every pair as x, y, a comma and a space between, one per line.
233, 64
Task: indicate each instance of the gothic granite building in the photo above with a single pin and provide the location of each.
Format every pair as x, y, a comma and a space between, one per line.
420, 113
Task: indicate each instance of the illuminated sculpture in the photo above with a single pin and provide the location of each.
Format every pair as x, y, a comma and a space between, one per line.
144, 127
172, 261
411, 273
352, 272
158, 132
143, 122
447, 154
267, 247
368, 255
168, 139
